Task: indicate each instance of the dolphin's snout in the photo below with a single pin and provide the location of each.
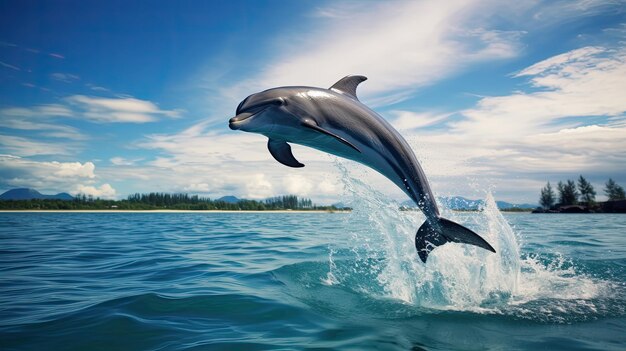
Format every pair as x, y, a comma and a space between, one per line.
232, 123
235, 122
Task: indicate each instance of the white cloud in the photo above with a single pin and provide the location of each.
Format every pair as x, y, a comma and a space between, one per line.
104, 191
571, 121
74, 169
121, 161
118, 110
411, 120
56, 130
581, 83
39, 118
556, 11
258, 187
329, 187
228, 164
558, 127
46, 119
50, 176
198, 188
27, 147
298, 184
95, 109
403, 45
41, 111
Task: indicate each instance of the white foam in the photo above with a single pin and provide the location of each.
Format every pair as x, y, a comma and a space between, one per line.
456, 277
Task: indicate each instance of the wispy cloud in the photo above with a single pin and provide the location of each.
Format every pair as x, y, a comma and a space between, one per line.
122, 161
64, 77
404, 45
4, 64
581, 83
56, 130
31, 50
42, 119
27, 147
90, 108
118, 110
568, 10
570, 120
407, 120
96, 87
41, 111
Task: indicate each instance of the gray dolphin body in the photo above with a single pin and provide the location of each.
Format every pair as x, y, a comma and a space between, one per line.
335, 121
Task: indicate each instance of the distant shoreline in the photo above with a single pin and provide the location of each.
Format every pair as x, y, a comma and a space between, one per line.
177, 211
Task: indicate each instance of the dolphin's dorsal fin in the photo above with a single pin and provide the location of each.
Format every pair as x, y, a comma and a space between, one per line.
347, 85
282, 153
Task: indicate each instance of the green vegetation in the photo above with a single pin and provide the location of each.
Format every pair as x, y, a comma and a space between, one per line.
516, 209
583, 195
548, 197
567, 193
587, 193
614, 191
158, 201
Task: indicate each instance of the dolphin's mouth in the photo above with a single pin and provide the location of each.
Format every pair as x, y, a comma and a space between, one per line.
236, 122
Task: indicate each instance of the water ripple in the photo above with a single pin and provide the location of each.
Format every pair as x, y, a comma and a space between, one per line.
261, 281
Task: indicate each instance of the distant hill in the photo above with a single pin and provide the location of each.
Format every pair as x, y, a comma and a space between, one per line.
461, 203
229, 199
30, 194
504, 204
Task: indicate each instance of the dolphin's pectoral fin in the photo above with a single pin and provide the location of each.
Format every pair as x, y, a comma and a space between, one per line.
282, 153
347, 85
309, 123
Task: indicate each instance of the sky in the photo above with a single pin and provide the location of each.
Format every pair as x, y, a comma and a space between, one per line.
118, 97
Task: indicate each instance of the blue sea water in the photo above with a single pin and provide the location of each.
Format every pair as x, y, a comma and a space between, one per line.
310, 281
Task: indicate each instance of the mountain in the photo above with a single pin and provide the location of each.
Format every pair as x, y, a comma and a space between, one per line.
229, 199
61, 196
504, 204
461, 203
30, 194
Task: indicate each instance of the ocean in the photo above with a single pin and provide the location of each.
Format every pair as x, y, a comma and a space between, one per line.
310, 281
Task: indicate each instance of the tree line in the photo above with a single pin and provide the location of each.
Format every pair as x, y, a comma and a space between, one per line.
573, 193
154, 201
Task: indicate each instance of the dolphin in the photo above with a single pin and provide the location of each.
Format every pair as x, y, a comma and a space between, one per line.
335, 121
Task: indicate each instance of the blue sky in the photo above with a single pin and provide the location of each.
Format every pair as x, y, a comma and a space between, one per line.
112, 98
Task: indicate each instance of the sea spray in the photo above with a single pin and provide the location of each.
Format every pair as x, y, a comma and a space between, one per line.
456, 277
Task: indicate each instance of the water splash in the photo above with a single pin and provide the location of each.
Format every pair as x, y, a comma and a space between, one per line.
456, 277
330, 278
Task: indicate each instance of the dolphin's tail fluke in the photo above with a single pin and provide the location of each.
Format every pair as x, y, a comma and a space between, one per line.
431, 235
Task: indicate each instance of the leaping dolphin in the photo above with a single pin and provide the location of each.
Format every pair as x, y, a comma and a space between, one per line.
335, 121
